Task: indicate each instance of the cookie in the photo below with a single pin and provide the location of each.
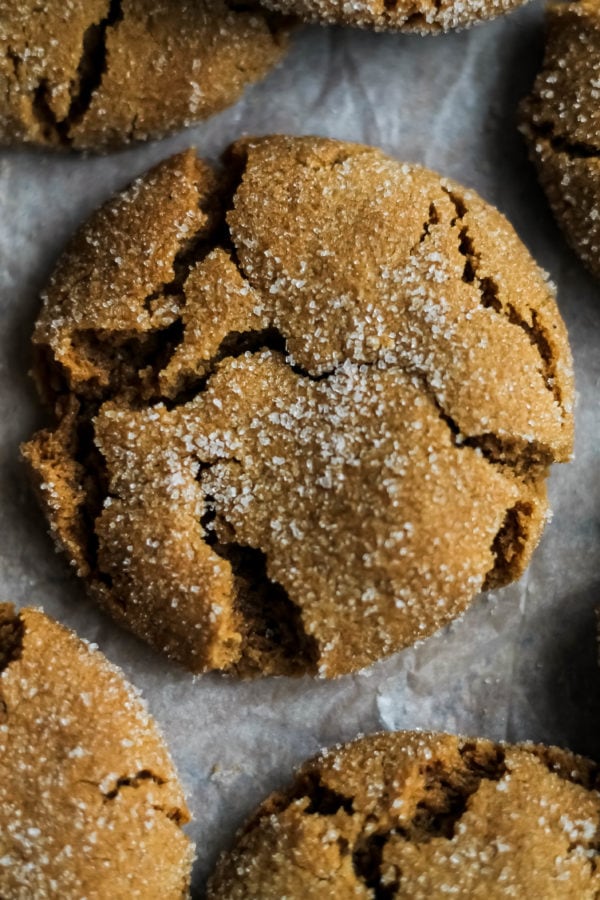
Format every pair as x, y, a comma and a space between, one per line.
98, 73
423, 17
90, 804
423, 816
305, 406
561, 124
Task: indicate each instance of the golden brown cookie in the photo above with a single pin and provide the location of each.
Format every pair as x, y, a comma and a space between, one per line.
90, 804
561, 123
305, 407
99, 73
426, 817
422, 16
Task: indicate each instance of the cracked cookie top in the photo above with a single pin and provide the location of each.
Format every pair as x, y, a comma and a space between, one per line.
423, 816
421, 16
90, 804
305, 406
98, 73
561, 124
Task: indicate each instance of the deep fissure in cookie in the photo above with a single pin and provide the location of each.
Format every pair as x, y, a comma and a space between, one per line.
538, 339
273, 634
575, 149
133, 781
175, 814
528, 460
270, 622
15, 60
466, 249
42, 110
432, 219
367, 858
131, 358
508, 546
95, 492
233, 345
243, 5
488, 289
447, 792
92, 67
322, 801
326, 802
489, 294
12, 631
562, 143
490, 299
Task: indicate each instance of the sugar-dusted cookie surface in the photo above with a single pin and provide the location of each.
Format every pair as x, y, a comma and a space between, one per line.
98, 73
426, 817
421, 16
90, 804
561, 124
305, 409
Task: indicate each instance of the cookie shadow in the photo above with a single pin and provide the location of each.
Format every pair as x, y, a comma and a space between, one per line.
517, 191
571, 675
523, 202
21, 405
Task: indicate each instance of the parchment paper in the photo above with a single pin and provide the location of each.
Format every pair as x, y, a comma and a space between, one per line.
521, 664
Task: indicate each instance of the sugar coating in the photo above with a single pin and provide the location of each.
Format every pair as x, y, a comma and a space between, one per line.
423, 17
304, 437
426, 817
98, 73
560, 120
90, 804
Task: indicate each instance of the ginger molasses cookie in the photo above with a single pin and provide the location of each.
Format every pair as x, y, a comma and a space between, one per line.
90, 804
561, 123
423, 816
305, 405
98, 73
423, 16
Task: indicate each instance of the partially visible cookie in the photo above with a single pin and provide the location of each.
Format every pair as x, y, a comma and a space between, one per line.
423, 817
306, 407
561, 123
90, 804
98, 73
421, 16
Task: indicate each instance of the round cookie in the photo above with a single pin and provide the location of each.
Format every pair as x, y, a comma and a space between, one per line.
305, 408
90, 804
422, 17
423, 816
561, 124
98, 73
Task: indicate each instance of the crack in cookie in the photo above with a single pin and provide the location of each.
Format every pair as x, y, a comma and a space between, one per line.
99, 73
561, 124
423, 816
70, 824
282, 406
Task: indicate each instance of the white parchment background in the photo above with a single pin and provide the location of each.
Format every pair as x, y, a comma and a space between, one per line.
521, 663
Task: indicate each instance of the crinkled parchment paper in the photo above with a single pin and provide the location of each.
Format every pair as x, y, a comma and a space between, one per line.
522, 662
